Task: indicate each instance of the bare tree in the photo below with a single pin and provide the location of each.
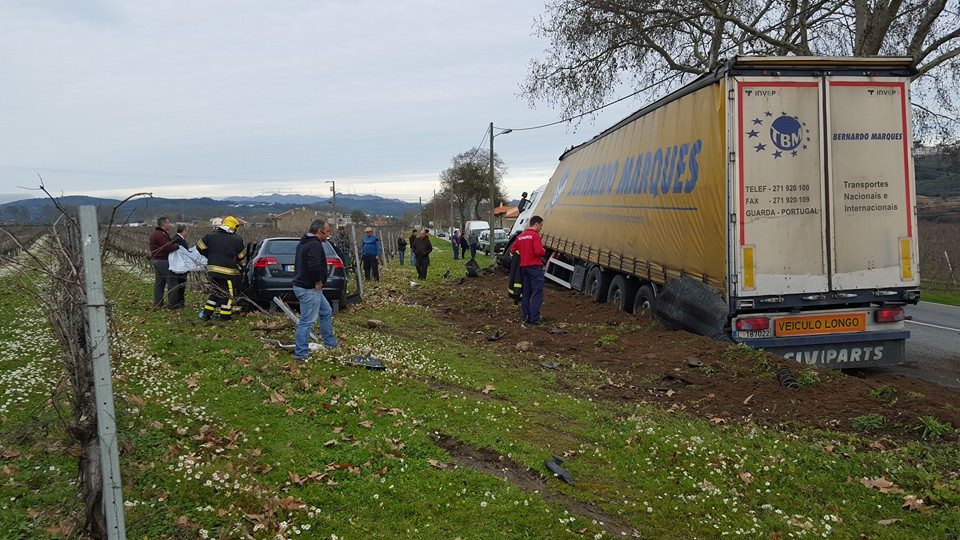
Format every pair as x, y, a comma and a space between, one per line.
468, 180
602, 47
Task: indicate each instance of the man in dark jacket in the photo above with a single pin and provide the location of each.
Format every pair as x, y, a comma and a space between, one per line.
372, 253
413, 255
422, 247
225, 252
179, 280
160, 248
401, 249
310, 264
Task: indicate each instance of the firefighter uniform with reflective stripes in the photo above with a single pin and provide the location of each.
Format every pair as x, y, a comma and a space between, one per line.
225, 253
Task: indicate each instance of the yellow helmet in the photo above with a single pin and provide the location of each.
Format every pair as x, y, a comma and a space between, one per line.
231, 222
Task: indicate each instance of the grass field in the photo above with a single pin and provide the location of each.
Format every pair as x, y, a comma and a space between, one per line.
225, 437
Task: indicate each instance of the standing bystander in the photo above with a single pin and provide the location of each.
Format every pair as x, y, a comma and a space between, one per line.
422, 247
372, 253
179, 280
160, 248
402, 249
310, 264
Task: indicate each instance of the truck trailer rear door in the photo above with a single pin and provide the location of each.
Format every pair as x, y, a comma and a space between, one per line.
871, 187
778, 197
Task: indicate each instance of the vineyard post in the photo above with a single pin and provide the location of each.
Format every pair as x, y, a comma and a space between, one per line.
356, 258
103, 388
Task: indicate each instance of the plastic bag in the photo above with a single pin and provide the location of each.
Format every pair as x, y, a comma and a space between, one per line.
183, 260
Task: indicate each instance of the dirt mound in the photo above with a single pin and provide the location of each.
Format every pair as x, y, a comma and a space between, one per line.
640, 360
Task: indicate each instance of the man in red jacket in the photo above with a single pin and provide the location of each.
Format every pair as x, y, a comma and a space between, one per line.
531, 251
160, 248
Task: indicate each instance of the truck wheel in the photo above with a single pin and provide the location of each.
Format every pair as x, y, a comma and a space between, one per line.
643, 303
335, 306
622, 292
597, 285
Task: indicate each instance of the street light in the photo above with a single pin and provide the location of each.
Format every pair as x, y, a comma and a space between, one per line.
493, 187
333, 188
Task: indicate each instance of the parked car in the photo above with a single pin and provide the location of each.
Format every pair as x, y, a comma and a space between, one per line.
271, 269
499, 239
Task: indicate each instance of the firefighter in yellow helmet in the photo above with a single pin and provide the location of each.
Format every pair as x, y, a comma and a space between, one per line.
225, 253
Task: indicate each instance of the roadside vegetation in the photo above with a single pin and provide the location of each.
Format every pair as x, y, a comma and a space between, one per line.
223, 436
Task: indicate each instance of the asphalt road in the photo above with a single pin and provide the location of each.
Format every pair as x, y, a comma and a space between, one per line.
933, 350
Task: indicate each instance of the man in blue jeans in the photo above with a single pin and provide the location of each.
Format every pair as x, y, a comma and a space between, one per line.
530, 248
311, 274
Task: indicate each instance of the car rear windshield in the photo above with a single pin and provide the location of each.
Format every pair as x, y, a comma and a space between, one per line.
281, 247
331, 253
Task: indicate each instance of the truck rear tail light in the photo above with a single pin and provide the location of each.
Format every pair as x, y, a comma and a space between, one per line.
753, 323
263, 262
334, 262
888, 315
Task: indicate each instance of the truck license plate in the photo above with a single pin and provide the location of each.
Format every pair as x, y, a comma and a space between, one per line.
755, 334
820, 324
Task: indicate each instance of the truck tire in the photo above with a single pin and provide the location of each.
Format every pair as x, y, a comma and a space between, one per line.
643, 302
597, 284
335, 306
687, 304
622, 292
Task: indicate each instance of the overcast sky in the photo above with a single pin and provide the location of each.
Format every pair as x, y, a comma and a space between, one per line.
229, 98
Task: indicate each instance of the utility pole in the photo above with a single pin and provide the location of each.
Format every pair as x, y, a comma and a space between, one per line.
420, 199
453, 223
493, 189
333, 188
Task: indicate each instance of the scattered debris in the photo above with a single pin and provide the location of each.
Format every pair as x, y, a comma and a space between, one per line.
556, 330
279, 344
550, 364
787, 378
368, 362
496, 336
375, 323
747, 400
694, 362
554, 464
524, 346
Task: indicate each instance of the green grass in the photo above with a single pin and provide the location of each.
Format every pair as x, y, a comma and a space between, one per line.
951, 298
270, 425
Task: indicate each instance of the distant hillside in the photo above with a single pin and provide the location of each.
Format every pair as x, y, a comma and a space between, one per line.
938, 175
42, 210
370, 204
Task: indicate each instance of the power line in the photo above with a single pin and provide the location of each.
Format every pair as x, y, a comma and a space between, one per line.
476, 149
604, 106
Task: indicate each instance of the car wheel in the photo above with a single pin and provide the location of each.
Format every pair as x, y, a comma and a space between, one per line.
597, 285
622, 292
643, 302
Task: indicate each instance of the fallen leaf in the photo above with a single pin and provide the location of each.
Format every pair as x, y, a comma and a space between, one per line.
718, 420
277, 397
136, 399
338, 429
12, 453
193, 381
246, 379
290, 503
886, 522
437, 464
746, 477
295, 478
748, 399
670, 393
263, 469
882, 484
367, 424
911, 502
488, 388
330, 443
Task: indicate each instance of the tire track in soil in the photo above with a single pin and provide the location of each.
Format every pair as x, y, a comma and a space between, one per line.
500, 467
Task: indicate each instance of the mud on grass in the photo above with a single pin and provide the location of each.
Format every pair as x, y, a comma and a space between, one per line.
610, 355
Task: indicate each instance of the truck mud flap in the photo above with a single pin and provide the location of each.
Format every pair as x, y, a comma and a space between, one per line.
842, 355
687, 304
